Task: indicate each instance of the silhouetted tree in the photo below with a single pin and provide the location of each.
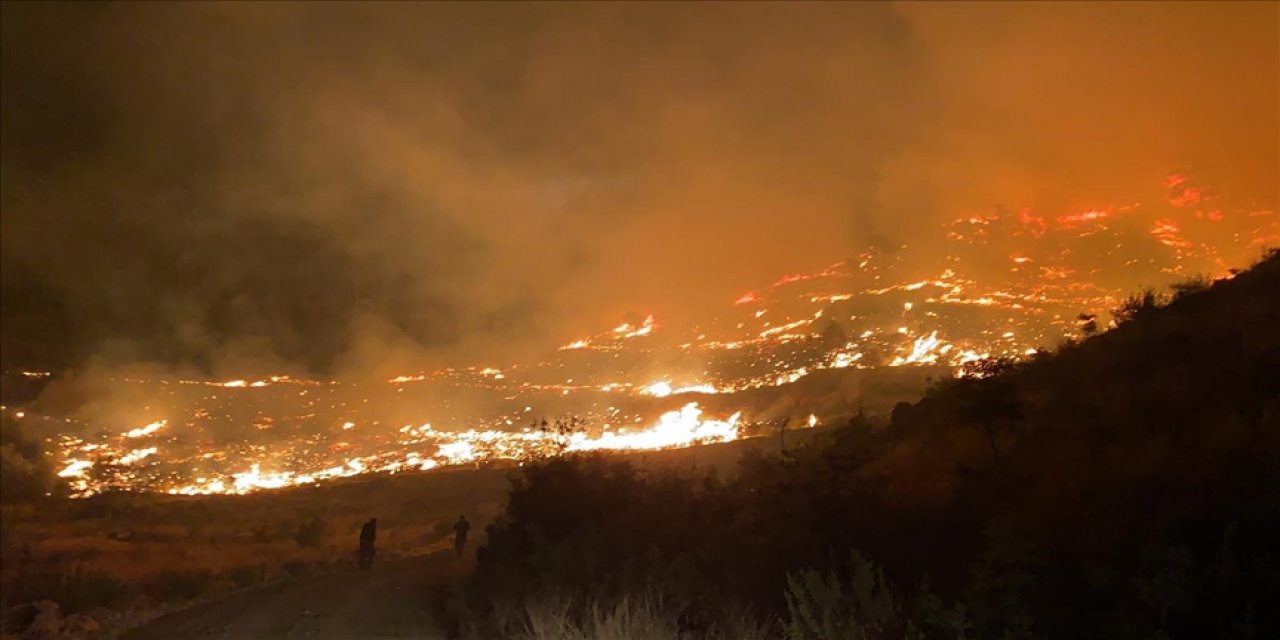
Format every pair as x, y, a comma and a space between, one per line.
560, 432
1136, 305
1088, 324
987, 401
987, 367
1189, 286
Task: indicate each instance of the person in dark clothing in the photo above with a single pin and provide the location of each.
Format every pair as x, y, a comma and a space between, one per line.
368, 533
460, 529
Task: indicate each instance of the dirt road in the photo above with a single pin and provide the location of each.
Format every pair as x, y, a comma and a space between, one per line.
389, 602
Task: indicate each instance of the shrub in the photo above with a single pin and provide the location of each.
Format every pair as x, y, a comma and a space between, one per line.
244, 575
820, 605
74, 588
1189, 286
181, 584
1136, 305
311, 532
296, 569
628, 619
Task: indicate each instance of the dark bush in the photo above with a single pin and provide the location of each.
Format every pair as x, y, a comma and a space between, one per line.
244, 575
181, 584
311, 532
296, 569
74, 588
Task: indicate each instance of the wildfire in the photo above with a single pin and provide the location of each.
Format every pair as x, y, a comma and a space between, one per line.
1042, 270
610, 340
679, 428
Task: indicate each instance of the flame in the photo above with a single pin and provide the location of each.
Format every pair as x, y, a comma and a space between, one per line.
659, 389
835, 270
1033, 224
1188, 197
678, 428
1169, 234
783, 328
625, 330
146, 430
75, 468
1072, 221
662, 389
136, 455
674, 429
924, 350
610, 340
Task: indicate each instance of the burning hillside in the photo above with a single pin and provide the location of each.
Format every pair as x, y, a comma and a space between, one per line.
1002, 284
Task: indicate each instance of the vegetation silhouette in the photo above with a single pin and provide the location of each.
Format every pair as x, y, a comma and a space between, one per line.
1123, 486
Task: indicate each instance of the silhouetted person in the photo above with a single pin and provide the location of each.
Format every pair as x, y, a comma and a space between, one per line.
368, 533
460, 529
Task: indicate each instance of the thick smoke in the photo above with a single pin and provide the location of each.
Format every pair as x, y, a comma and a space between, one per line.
333, 187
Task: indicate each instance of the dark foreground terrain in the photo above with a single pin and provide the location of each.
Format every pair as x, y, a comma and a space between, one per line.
388, 602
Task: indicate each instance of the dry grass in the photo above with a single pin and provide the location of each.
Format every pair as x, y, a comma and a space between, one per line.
635, 618
129, 551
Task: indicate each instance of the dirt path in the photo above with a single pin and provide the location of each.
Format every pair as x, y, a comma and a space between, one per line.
389, 602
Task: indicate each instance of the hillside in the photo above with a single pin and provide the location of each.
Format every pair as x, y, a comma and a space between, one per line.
1124, 486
